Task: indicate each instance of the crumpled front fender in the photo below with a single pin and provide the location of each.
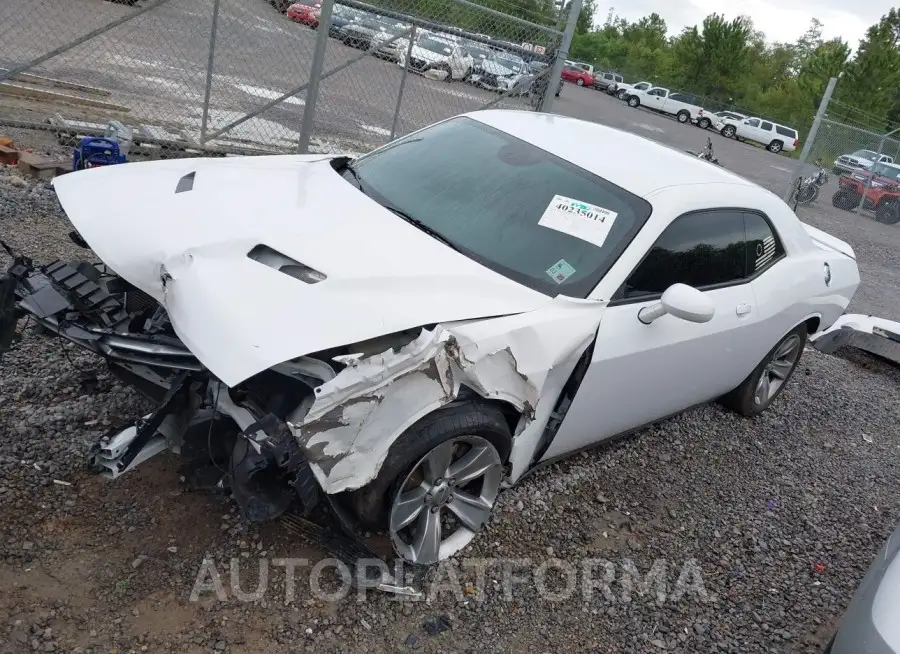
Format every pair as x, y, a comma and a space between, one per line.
522, 360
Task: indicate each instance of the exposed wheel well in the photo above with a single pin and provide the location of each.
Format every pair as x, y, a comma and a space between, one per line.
812, 324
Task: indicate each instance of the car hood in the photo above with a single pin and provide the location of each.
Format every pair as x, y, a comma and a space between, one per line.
189, 251
496, 69
428, 55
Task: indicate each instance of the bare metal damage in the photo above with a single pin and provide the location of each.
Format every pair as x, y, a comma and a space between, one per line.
359, 413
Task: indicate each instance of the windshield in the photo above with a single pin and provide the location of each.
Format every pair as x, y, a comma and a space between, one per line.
506, 204
512, 62
433, 45
884, 170
865, 154
348, 13
478, 52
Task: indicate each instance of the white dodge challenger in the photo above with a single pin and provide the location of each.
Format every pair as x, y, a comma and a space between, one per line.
403, 334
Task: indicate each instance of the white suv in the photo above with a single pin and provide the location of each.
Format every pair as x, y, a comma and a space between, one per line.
773, 136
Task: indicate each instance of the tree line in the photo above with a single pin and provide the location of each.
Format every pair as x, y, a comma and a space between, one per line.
730, 64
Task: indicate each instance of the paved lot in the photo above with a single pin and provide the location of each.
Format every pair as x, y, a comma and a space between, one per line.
156, 65
877, 246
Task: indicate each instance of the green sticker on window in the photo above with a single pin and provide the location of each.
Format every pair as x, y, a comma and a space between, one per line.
560, 271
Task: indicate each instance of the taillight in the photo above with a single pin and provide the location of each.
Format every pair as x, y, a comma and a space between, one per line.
796, 142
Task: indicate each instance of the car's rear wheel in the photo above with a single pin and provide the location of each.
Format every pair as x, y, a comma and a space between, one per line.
683, 117
767, 381
621, 94
579, 82
439, 482
728, 131
775, 146
634, 102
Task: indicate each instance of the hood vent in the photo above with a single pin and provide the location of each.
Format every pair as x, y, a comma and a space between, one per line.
186, 183
274, 259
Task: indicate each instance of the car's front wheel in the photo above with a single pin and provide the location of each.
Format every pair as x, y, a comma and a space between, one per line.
888, 211
439, 482
768, 380
703, 123
579, 82
621, 94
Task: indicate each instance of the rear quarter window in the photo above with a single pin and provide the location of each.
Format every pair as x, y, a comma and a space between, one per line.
786, 131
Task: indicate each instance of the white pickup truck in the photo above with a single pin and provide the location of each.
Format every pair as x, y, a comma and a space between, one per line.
683, 106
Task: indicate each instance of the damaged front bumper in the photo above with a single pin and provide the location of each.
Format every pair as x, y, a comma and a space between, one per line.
874, 335
91, 306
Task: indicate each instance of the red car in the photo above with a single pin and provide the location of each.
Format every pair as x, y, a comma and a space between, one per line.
577, 76
305, 11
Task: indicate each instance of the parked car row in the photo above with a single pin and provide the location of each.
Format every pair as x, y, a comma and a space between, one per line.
437, 55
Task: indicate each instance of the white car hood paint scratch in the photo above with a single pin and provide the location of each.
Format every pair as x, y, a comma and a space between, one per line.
522, 359
240, 317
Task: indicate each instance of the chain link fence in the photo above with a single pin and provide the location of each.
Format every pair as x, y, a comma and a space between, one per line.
848, 170
184, 77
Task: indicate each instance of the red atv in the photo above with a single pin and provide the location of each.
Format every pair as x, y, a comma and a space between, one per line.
882, 196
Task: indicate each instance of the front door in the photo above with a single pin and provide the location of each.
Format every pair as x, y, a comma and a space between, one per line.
641, 373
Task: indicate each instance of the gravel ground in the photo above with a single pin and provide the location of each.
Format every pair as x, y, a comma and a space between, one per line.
770, 522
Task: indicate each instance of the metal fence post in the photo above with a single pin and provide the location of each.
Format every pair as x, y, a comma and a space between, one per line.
409, 47
315, 75
807, 146
562, 52
209, 70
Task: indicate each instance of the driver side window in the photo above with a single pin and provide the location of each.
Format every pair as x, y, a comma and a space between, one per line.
702, 249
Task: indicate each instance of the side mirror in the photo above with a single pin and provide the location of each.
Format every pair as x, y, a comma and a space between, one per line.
681, 301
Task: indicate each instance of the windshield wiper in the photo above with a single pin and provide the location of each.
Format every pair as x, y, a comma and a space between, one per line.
422, 226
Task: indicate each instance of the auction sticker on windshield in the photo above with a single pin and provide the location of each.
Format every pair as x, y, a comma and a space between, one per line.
579, 219
561, 271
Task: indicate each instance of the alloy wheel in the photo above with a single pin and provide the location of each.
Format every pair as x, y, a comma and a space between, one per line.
776, 372
445, 500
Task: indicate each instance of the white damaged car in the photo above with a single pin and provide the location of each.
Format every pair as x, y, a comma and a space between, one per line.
504, 72
404, 334
438, 58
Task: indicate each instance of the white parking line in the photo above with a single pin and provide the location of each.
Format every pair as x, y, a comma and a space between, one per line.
268, 94
786, 170
651, 128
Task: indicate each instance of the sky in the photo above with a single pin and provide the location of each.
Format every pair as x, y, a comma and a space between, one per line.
781, 20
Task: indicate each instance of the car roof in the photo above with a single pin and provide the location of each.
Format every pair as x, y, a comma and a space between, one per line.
640, 166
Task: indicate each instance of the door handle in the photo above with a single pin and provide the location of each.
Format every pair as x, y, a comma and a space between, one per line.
743, 309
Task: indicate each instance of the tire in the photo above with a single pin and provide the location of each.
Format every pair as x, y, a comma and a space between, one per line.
704, 123
447, 70
888, 212
845, 200
683, 117
775, 147
634, 102
729, 131
373, 504
579, 82
622, 94
745, 399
